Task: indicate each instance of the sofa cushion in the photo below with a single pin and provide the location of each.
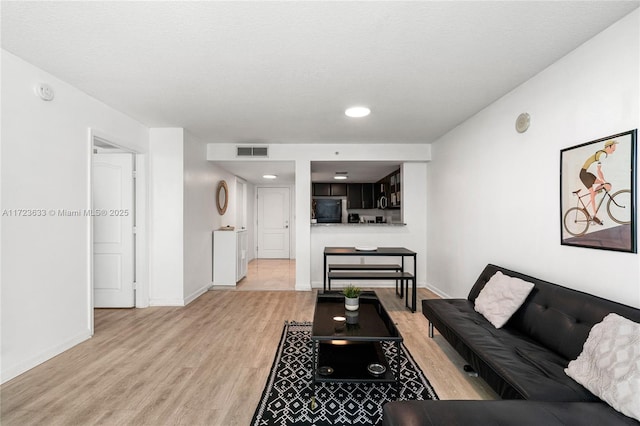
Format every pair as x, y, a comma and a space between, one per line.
609, 365
501, 297
504, 413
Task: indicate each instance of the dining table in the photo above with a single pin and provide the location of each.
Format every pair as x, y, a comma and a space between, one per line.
399, 252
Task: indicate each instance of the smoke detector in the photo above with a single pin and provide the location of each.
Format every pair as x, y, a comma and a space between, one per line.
522, 122
44, 91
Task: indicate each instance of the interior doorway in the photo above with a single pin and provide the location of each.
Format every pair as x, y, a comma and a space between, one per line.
118, 244
273, 223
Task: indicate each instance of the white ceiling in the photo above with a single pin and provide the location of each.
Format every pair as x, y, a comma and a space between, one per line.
283, 72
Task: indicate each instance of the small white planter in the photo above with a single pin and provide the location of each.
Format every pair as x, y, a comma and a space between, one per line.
351, 303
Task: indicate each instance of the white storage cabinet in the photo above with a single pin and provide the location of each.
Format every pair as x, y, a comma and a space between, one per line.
229, 257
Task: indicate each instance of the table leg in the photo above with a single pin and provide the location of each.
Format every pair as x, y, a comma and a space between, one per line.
398, 349
314, 368
415, 284
324, 276
405, 283
414, 296
402, 282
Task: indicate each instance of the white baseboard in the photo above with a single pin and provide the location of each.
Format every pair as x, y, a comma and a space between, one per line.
193, 296
11, 372
180, 302
438, 292
302, 287
166, 302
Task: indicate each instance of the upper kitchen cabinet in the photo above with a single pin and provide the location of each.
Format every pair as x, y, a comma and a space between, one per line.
368, 196
338, 189
329, 189
354, 196
361, 196
392, 185
321, 189
395, 190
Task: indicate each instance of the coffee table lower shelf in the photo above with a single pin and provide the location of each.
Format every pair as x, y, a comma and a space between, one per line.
349, 362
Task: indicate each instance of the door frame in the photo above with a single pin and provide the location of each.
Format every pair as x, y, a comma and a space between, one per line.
292, 219
141, 292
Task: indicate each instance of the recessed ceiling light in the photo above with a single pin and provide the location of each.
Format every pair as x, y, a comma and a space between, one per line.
269, 176
357, 112
339, 177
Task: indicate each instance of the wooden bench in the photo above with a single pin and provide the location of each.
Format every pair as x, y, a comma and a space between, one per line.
366, 267
380, 274
363, 267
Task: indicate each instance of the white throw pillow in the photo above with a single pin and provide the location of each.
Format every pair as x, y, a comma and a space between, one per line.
609, 365
501, 297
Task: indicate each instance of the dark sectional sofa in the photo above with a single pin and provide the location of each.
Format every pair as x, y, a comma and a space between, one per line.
524, 360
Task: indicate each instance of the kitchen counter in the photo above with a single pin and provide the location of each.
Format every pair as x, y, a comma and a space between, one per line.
358, 225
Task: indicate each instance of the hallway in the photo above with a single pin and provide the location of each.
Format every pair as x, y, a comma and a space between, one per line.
269, 274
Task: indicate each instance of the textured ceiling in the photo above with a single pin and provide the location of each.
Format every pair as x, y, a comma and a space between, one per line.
284, 71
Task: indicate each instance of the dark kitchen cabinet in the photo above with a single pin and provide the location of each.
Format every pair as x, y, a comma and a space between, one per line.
329, 189
395, 189
389, 190
322, 189
361, 196
354, 196
368, 196
339, 189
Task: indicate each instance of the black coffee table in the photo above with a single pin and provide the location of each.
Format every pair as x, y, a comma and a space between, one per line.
344, 352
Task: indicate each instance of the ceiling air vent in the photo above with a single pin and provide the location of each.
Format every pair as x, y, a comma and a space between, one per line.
252, 151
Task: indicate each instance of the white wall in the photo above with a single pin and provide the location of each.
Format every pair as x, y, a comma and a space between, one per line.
200, 217
251, 214
494, 193
328, 152
166, 253
183, 216
209, 219
46, 152
303, 226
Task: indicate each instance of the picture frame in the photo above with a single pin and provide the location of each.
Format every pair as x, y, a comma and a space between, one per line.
598, 193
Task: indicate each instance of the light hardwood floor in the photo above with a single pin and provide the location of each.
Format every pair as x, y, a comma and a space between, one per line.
203, 364
269, 274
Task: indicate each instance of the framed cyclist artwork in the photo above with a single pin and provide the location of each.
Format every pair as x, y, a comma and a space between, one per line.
598, 193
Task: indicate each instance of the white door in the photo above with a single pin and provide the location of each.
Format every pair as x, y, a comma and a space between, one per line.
113, 239
273, 223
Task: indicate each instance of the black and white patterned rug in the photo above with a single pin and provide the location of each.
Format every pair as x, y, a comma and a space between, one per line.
287, 397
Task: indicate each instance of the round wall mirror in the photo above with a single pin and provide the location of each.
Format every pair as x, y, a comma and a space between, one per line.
222, 197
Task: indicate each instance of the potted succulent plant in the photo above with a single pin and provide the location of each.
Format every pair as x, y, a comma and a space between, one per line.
351, 297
